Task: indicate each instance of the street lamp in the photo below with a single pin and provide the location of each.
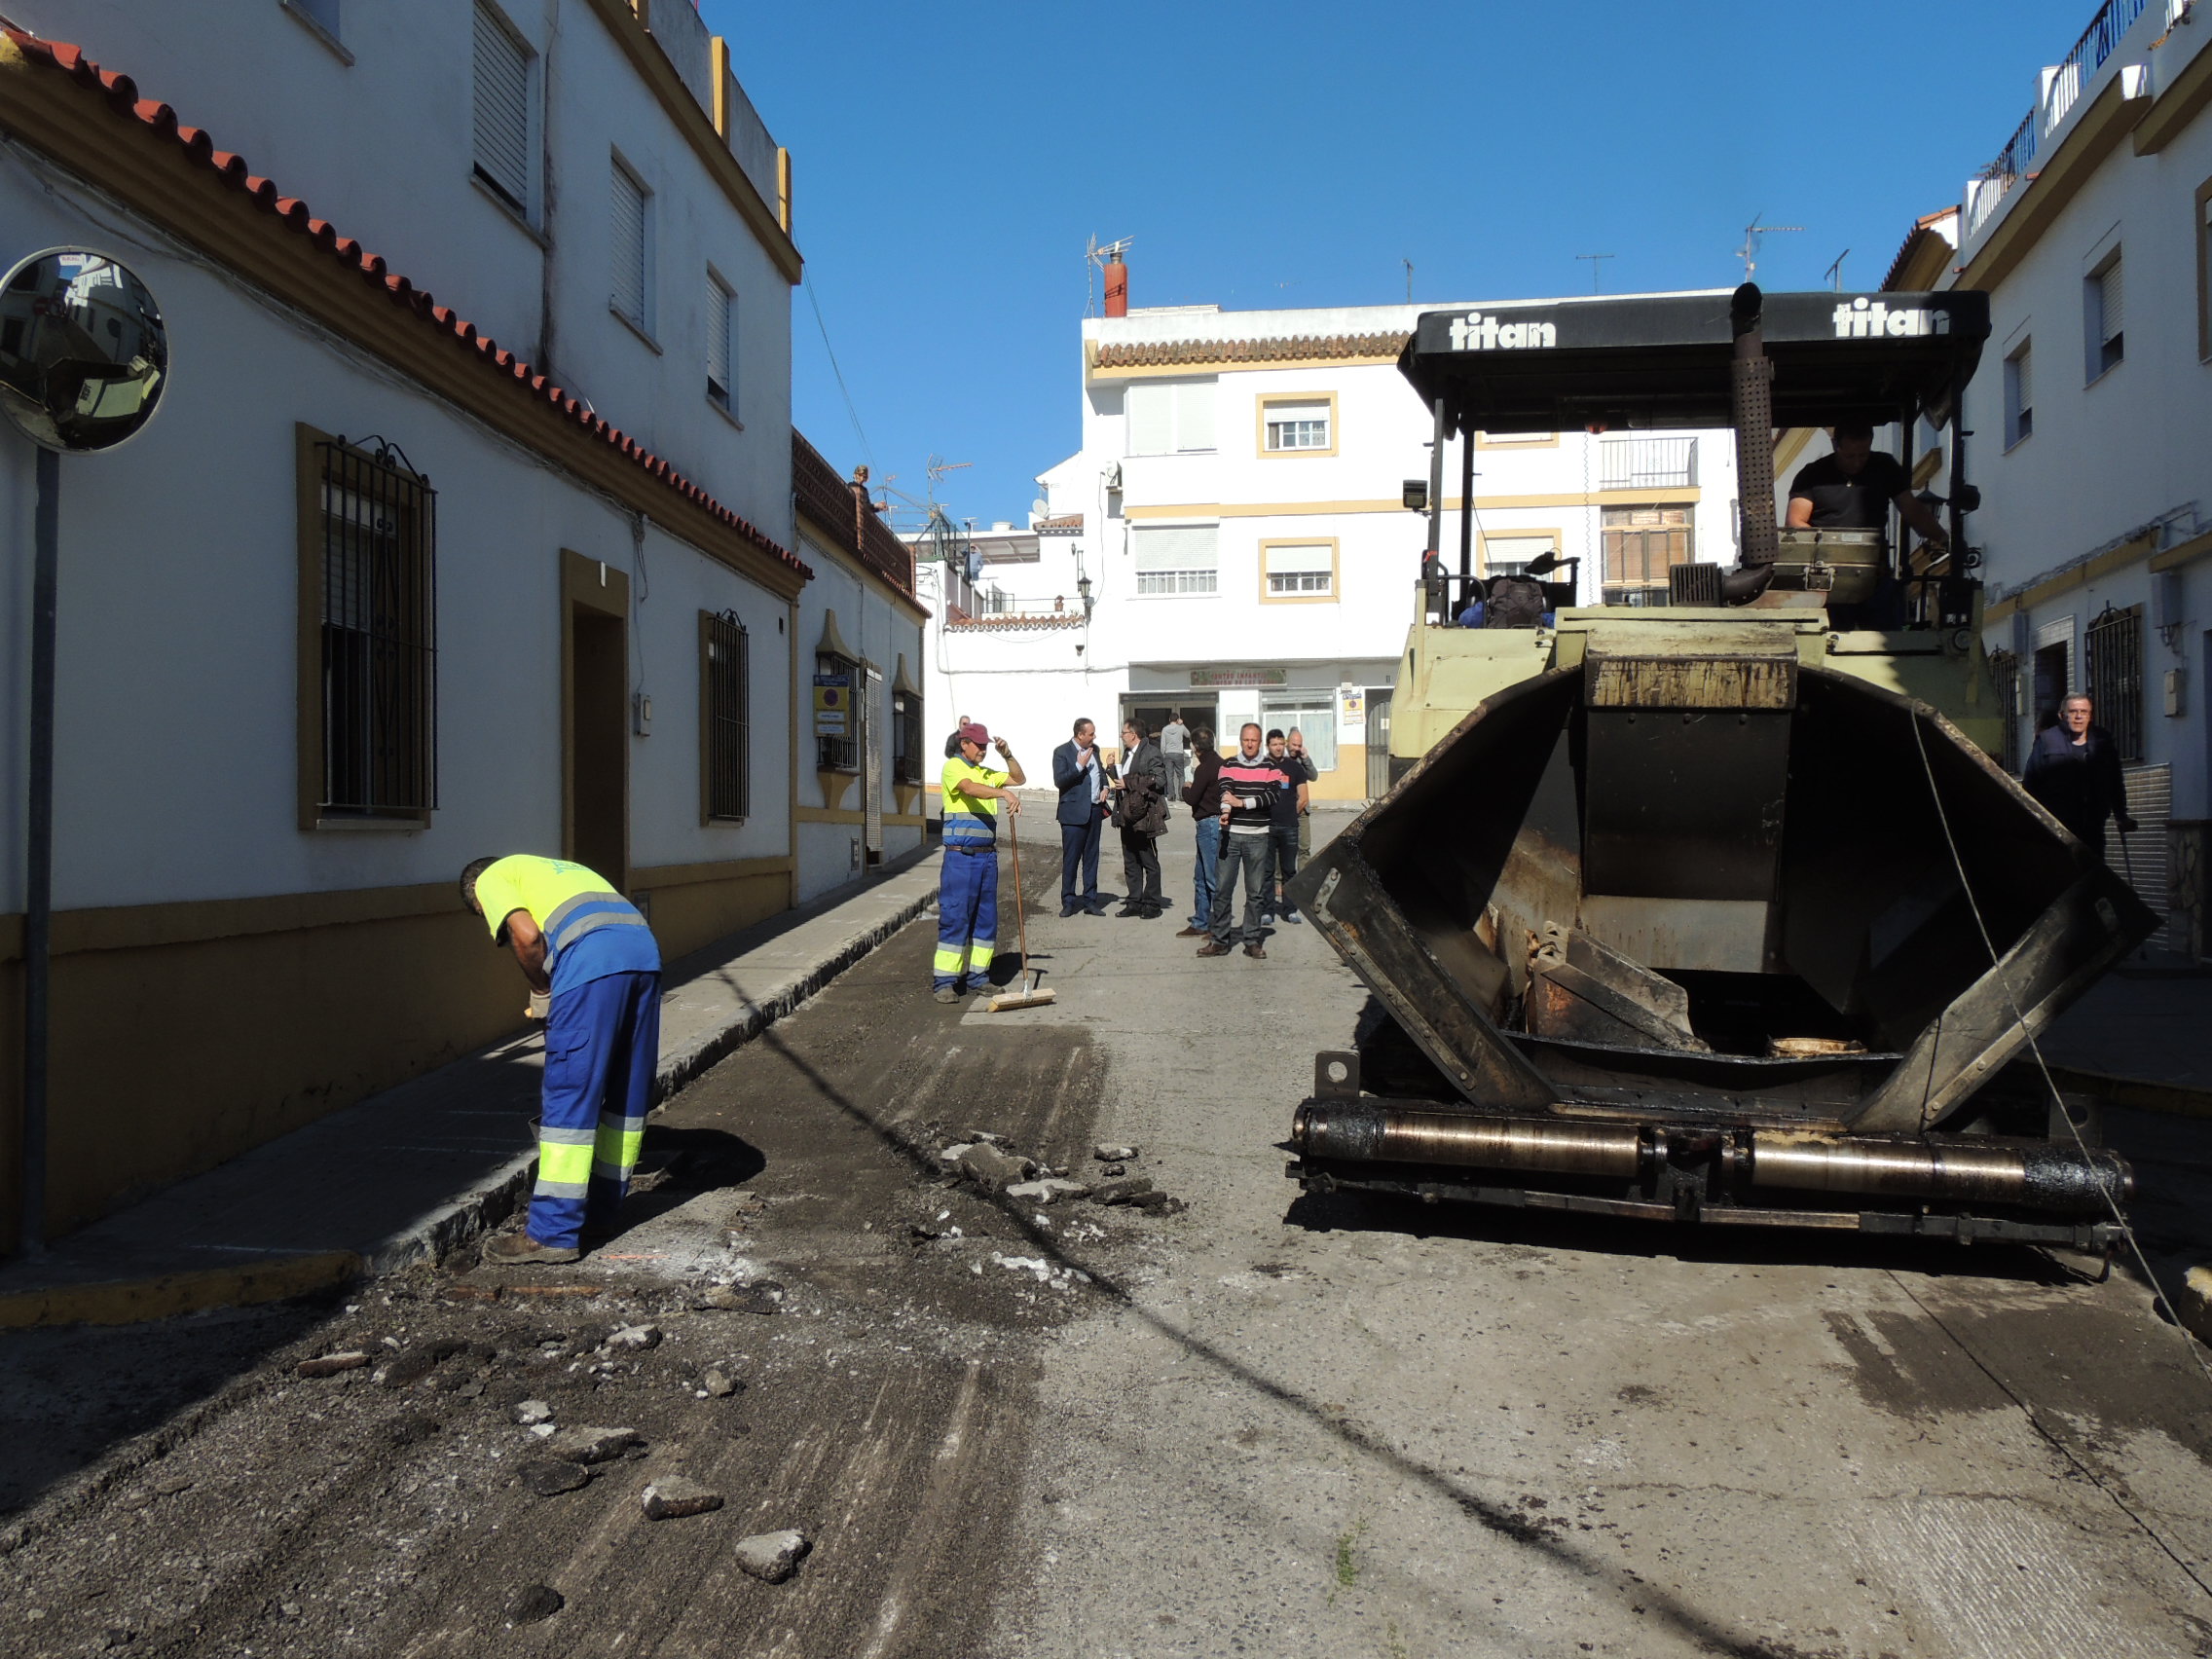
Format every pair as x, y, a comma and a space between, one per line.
1415, 495
84, 360
1083, 589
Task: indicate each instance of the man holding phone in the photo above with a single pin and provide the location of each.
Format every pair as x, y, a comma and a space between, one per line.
968, 886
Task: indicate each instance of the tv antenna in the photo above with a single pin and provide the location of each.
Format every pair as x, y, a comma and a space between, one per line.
1409, 265
1835, 271
1095, 259
1749, 254
1595, 266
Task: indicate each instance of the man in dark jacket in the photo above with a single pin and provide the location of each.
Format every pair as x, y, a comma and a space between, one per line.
1081, 779
1202, 795
1283, 828
2074, 770
1140, 809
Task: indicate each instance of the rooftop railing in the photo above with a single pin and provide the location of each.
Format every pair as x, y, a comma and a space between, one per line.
1646, 464
2063, 86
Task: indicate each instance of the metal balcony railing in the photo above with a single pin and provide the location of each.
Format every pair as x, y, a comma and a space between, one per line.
2061, 92
1646, 464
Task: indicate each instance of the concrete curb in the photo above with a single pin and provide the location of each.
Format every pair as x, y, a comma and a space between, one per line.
485, 1202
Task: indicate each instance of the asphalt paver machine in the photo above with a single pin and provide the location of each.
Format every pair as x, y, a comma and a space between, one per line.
1718, 909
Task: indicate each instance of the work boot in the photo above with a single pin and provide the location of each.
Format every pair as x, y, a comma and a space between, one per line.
1213, 948
520, 1249
1257, 952
946, 994
1192, 932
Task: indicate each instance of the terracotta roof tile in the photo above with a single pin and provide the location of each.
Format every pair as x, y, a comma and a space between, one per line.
1303, 347
121, 94
1066, 524
1015, 622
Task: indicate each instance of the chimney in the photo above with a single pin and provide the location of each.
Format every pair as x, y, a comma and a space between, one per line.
1117, 288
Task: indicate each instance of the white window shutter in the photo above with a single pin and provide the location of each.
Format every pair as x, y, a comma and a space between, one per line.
1150, 407
1516, 549
2111, 296
721, 374
502, 108
1193, 415
1176, 547
1300, 561
628, 293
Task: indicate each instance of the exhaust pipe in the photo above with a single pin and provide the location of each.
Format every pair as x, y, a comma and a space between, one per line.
2060, 1179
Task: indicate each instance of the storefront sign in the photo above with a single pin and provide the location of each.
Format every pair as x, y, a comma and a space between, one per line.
1204, 677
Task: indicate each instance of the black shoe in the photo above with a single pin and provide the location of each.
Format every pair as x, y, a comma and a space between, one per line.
1129, 910
1096, 907
1067, 911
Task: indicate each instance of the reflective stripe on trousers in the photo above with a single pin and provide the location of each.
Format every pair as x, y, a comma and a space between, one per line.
966, 916
602, 1051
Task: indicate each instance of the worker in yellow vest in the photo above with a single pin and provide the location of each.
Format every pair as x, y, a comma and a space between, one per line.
968, 882
594, 972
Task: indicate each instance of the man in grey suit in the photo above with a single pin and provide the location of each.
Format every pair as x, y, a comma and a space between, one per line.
1140, 809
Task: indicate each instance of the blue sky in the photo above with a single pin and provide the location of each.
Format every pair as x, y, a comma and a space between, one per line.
952, 161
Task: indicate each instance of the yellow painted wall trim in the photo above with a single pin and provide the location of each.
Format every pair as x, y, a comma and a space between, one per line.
143, 926
698, 128
2176, 108
1793, 445
714, 869
2080, 576
1482, 503
830, 815
1925, 469
2109, 119
833, 788
2183, 553
153, 178
905, 820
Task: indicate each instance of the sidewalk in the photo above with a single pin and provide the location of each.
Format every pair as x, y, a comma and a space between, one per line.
413, 1172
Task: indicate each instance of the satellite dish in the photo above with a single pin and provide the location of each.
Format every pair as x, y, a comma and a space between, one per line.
1040, 507
83, 353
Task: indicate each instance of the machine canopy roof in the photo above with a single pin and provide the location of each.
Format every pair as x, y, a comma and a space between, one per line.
1662, 360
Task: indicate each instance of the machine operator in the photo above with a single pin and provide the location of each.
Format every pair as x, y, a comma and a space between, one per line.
1854, 488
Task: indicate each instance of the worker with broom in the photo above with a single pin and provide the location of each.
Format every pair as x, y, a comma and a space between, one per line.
967, 887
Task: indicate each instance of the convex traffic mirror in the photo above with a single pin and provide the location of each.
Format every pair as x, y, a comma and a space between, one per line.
84, 355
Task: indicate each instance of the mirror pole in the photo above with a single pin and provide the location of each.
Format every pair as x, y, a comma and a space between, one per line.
38, 906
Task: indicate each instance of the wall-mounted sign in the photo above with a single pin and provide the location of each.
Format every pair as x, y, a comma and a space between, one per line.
1351, 704
832, 705
1204, 677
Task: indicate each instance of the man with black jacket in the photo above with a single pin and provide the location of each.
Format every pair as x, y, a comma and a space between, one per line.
2074, 770
1082, 782
1140, 809
1282, 828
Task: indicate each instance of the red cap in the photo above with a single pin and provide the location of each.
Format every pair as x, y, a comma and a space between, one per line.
974, 733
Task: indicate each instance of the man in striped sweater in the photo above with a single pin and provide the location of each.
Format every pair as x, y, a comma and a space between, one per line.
1249, 782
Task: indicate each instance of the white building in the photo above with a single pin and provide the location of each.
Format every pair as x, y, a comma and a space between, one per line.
571, 466
2092, 410
1236, 508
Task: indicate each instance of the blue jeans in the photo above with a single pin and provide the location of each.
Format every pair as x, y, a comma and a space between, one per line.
1209, 860
602, 1051
1282, 863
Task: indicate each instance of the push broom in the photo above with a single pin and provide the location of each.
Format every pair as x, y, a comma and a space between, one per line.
1033, 997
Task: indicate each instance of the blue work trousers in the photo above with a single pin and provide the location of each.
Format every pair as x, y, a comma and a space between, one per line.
966, 916
1208, 860
1079, 858
601, 1050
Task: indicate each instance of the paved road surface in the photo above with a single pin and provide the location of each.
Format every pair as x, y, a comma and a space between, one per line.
1264, 1425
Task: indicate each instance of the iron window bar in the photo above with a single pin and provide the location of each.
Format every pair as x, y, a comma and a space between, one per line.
729, 723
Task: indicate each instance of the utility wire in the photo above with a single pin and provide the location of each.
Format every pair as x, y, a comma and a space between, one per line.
813, 299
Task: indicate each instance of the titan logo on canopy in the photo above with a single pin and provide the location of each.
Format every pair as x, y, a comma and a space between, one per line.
1864, 319
1475, 332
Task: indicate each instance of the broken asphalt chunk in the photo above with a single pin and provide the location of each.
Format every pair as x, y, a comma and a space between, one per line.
671, 1496
1049, 1191
992, 1170
531, 1413
770, 1556
762, 1296
331, 1364
718, 1383
1121, 1192
1113, 1154
588, 1445
534, 1602
549, 1479
412, 1364
633, 1338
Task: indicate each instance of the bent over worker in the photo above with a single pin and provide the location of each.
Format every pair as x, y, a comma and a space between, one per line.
594, 969
968, 886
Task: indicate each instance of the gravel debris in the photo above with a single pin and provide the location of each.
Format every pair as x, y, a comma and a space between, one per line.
549, 1479
331, 1364
771, 1557
591, 1445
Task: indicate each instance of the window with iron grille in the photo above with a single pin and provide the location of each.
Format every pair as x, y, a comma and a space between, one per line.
1641, 544
838, 752
2112, 652
906, 745
2004, 675
375, 570
725, 717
